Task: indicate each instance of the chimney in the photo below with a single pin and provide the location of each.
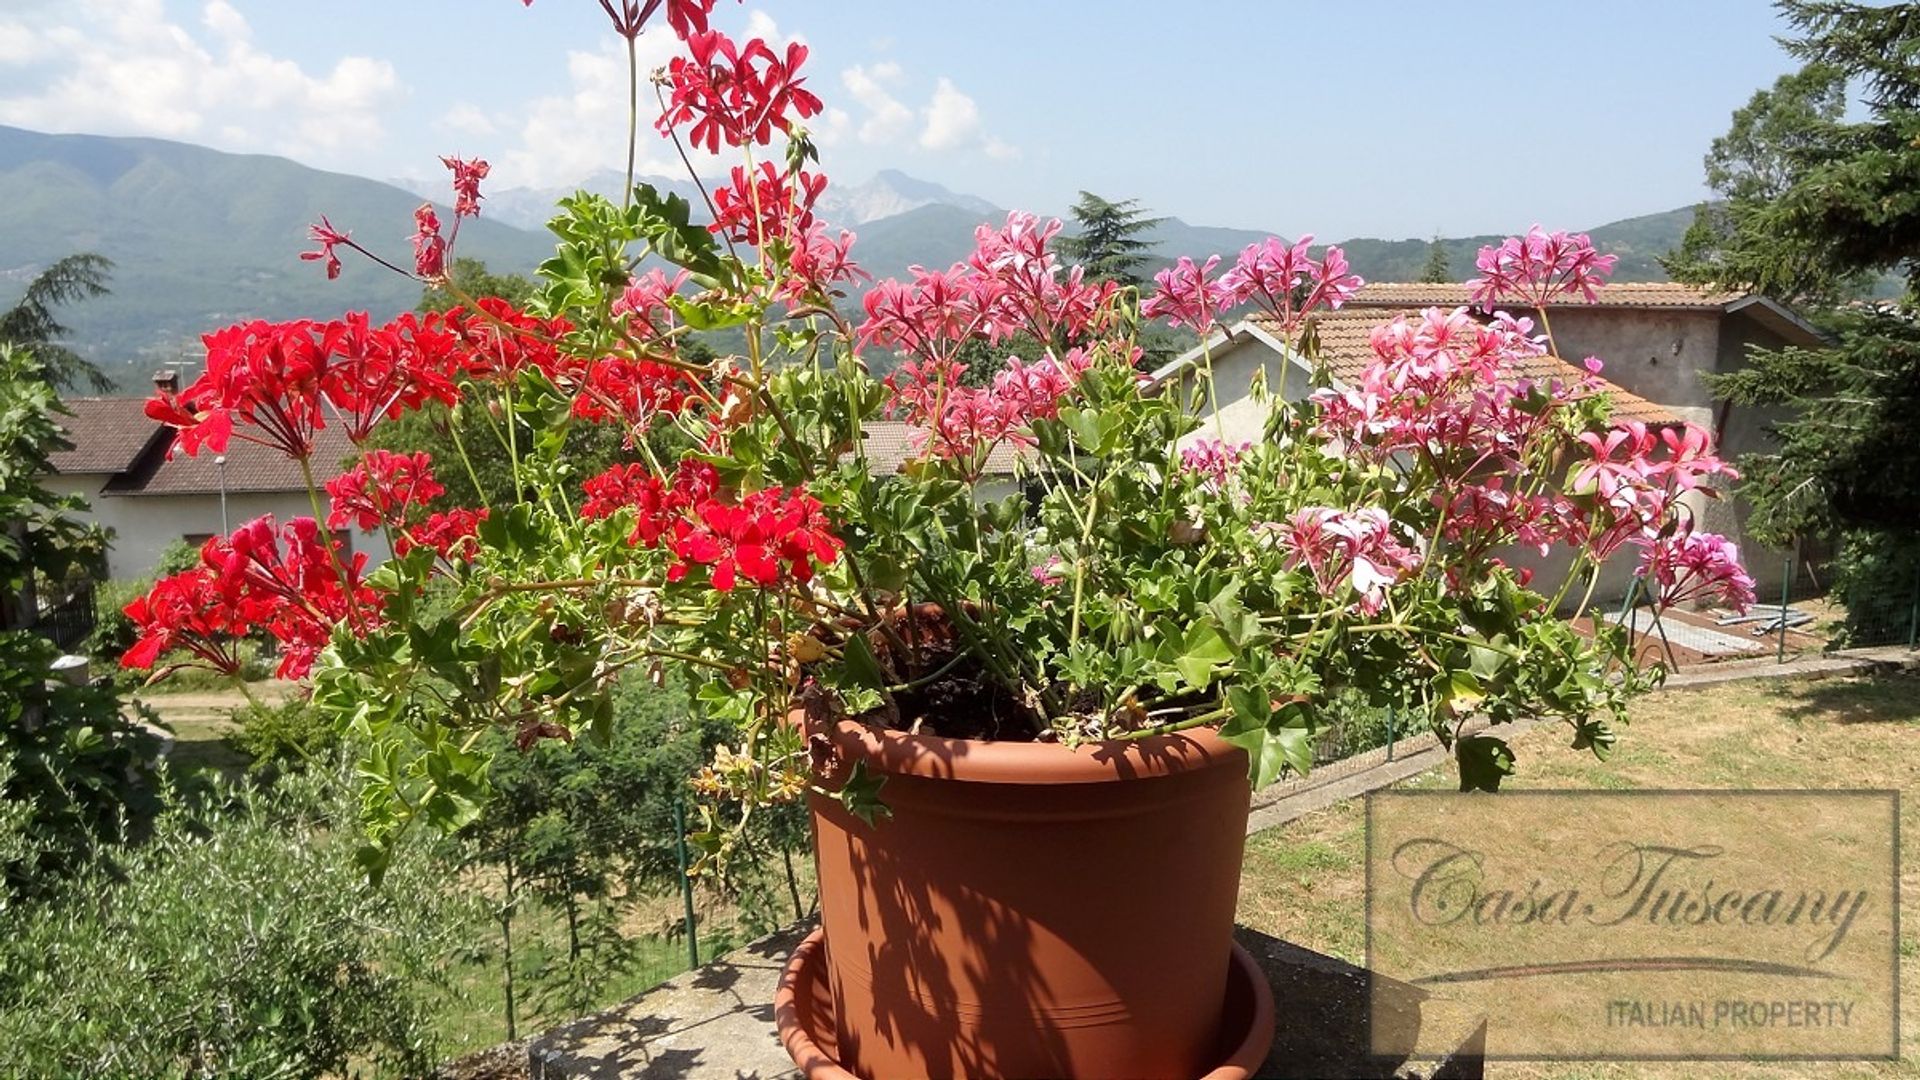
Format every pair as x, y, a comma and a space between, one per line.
166, 381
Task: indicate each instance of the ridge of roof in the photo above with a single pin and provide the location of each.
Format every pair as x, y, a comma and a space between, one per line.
1669, 295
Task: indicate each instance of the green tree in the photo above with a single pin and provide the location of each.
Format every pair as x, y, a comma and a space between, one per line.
1815, 205
471, 277
1108, 239
574, 827
73, 765
31, 323
1437, 271
1746, 236
239, 940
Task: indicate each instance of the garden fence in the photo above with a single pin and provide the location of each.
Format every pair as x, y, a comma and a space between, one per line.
570, 941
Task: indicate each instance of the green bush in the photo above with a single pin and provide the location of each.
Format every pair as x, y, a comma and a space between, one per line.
283, 737
1876, 576
241, 944
75, 769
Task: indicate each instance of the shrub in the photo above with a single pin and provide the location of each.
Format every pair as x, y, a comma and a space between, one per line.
75, 770
284, 737
1877, 577
243, 944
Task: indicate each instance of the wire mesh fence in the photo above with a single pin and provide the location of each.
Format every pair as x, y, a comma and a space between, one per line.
572, 934
1877, 579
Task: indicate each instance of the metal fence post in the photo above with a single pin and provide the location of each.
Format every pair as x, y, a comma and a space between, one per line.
1786, 589
686, 882
1913, 611
1392, 732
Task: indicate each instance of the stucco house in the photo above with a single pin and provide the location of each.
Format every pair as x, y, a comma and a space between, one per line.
1656, 340
119, 463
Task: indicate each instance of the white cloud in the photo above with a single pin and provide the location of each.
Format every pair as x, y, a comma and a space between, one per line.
949, 121
887, 118
761, 25
19, 44
123, 67
831, 127
226, 23
952, 119
566, 137
467, 118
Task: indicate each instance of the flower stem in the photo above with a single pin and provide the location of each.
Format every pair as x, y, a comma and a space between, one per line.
633, 118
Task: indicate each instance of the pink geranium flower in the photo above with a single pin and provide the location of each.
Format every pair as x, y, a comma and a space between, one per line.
1185, 296
1539, 268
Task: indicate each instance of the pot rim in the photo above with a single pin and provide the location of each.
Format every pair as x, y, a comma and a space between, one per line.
900, 753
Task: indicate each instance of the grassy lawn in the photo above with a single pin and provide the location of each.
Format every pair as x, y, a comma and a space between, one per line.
1303, 881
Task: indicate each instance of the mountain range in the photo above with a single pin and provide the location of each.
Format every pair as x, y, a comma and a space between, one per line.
202, 238
888, 193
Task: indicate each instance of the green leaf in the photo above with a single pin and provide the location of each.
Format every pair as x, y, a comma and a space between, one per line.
1097, 432
1484, 762
1252, 707
1275, 741
1238, 624
861, 794
1486, 662
373, 860
862, 666
1459, 688
666, 222
1596, 735
1202, 652
1270, 751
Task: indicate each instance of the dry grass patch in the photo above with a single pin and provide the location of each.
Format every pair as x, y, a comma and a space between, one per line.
1304, 881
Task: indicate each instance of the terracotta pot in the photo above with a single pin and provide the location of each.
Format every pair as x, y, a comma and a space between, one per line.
1030, 910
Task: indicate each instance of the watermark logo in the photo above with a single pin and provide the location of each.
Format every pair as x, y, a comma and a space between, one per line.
1759, 925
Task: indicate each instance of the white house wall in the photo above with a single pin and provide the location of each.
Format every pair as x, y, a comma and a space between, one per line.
145, 525
1242, 417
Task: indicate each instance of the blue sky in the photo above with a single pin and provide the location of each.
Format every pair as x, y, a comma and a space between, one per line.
1357, 118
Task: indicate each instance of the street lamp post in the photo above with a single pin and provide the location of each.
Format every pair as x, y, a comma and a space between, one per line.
221, 464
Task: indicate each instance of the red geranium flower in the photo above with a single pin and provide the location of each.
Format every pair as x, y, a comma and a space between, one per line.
379, 489
768, 534
734, 94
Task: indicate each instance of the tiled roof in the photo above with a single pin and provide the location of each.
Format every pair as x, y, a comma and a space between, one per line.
250, 467
108, 435
1346, 351
1635, 294
889, 444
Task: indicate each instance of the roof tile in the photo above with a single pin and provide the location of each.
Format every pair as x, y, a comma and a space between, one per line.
108, 435
1346, 349
889, 444
250, 467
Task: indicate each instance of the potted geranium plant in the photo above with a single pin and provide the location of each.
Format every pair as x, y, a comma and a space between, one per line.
1027, 726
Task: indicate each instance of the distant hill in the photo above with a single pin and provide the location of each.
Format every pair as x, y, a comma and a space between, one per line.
202, 238
531, 208
888, 194
939, 235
